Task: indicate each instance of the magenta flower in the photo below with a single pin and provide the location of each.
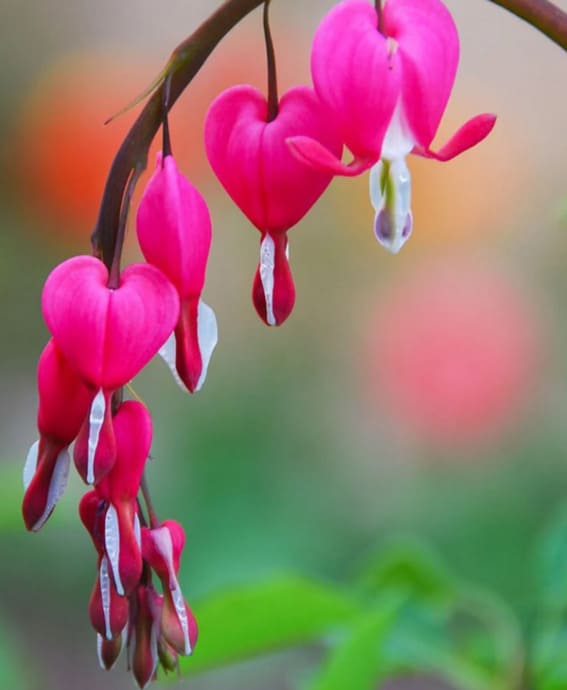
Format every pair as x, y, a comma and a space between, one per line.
161, 548
174, 232
119, 490
64, 402
249, 155
107, 336
387, 91
108, 609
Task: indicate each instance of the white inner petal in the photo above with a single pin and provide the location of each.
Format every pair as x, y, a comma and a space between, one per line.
112, 545
207, 334
164, 545
390, 194
137, 530
96, 419
30, 465
167, 353
57, 486
181, 610
398, 141
99, 641
267, 266
104, 583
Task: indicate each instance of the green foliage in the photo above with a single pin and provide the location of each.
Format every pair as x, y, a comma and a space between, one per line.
549, 644
405, 613
242, 623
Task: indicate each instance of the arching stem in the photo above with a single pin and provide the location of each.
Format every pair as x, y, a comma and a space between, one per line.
273, 100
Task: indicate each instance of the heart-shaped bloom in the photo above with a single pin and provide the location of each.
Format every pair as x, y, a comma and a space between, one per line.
119, 491
161, 548
108, 609
249, 154
174, 232
107, 336
387, 91
64, 401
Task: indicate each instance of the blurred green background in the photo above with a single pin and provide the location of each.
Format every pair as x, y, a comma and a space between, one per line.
421, 396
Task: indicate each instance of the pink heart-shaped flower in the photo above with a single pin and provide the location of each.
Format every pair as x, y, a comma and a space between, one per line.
108, 335
251, 158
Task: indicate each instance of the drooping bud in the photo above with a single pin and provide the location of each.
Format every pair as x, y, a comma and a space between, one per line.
161, 548
119, 489
144, 643
174, 232
108, 651
108, 610
63, 404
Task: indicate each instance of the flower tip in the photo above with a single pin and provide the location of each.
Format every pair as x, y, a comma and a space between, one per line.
385, 232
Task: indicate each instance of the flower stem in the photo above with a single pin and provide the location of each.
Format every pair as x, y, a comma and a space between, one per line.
186, 60
114, 276
380, 14
145, 489
273, 100
166, 144
541, 14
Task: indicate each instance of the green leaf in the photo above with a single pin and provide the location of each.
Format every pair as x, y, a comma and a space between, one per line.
245, 622
551, 566
409, 567
358, 663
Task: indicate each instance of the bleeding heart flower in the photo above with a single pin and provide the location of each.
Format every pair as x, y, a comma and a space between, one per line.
174, 232
387, 90
108, 609
119, 491
161, 548
64, 402
271, 187
107, 336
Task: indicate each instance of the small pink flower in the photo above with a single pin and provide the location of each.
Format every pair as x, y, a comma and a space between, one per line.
388, 92
119, 491
161, 548
174, 232
144, 657
107, 336
64, 401
271, 187
108, 609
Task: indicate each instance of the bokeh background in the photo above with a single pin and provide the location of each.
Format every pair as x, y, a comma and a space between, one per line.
422, 395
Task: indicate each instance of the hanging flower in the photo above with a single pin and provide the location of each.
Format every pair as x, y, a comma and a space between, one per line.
174, 232
248, 152
107, 336
387, 87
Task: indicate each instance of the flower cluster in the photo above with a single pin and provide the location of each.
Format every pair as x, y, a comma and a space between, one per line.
382, 79
102, 336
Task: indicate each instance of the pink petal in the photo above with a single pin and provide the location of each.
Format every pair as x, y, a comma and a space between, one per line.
428, 49
253, 162
469, 135
312, 153
174, 228
107, 335
46, 485
273, 291
64, 399
356, 76
133, 433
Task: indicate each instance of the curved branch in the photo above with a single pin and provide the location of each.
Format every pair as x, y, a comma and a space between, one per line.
186, 60
541, 14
